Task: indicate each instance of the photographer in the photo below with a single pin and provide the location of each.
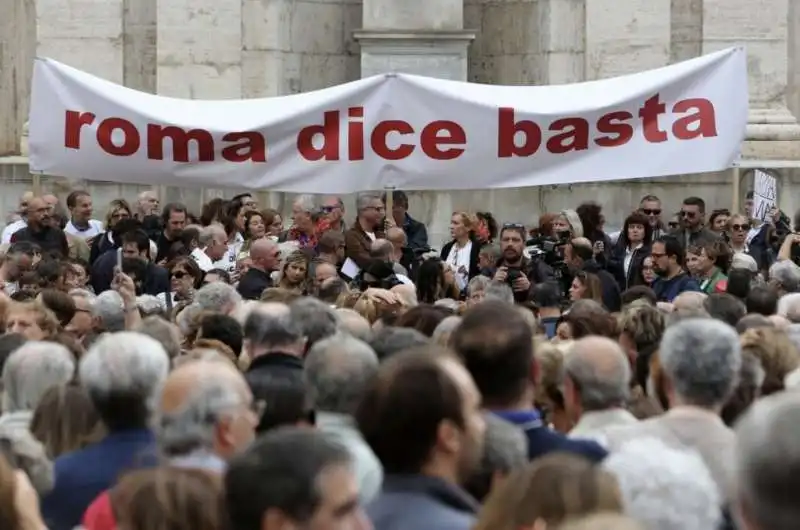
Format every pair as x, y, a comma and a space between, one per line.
579, 256
514, 268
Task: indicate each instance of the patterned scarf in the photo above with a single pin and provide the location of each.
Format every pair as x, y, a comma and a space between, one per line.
308, 240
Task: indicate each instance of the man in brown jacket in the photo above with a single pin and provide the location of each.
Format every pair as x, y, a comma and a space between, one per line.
367, 228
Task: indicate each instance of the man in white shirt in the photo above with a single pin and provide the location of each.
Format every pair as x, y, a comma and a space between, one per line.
81, 223
212, 245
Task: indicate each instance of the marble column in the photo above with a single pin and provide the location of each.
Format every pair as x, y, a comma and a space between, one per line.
773, 132
140, 44
561, 30
17, 51
422, 37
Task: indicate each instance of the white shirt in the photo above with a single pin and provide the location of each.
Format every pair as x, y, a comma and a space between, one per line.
460, 257
11, 229
405, 280
228, 261
201, 258
629, 252
95, 229
370, 235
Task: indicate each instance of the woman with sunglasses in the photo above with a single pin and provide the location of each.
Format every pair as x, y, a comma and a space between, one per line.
185, 277
744, 238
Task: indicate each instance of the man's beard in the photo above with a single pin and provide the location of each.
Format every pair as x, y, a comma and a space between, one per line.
511, 255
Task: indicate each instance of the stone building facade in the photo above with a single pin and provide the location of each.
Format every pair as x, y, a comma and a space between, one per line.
262, 48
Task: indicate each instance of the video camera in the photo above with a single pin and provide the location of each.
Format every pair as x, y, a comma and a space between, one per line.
549, 249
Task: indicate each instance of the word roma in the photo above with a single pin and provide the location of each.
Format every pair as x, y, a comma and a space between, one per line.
438, 140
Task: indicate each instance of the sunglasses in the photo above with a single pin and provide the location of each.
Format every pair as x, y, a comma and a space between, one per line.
740, 227
689, 215
179, 274
648, 211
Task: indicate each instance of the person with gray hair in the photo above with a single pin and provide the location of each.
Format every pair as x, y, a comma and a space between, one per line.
700, 362
785, 277
108, 312
767, 464
271, 328
383, 250
338, 368
476, 289
445, 328
353, 323
789, 307
206, 414
212, 244
29, 456
164, 332
316, 319
122, 373
388, 341
665, 487
597, 378
30, 371
367, 228
499, 291
218, 297
505, 448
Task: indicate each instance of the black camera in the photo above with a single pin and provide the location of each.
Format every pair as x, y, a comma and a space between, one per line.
550, 249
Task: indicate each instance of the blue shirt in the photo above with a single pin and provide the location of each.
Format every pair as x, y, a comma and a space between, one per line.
542, 440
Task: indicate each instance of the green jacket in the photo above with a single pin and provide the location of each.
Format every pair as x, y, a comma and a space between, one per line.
708, 285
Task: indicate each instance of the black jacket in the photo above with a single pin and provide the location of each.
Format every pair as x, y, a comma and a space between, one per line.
611, 295
156, 278
51, 240
416, 233
278, 380
616, 265
253, 283
100, 245
537, 271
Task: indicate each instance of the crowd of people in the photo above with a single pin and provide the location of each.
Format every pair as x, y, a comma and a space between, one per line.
163, 370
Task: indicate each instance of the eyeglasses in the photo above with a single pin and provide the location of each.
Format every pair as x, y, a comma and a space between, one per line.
518, 226
740, 227
179, 274
651, 211
689, 215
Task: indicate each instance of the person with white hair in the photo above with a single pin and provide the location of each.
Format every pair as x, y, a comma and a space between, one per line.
303, 229
597, 378
353, 323
316, 319
212, 244
768, 464
499, 291
206, 415
666, 488
218, 297
338, 369
122, 373
29, 372
108, 312
700, 362
789, 307
444, 329
784, 276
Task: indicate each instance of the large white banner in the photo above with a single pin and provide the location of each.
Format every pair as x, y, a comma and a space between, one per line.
396, 130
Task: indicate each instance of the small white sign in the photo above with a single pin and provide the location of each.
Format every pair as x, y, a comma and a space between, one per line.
765, 194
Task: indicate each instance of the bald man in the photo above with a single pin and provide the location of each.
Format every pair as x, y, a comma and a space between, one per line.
597, 378
323, 271
146, 204
41, 231
265, 258
206, 415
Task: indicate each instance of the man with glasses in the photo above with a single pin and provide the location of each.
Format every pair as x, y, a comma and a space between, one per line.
668, 263
333, 209
367, 228
650, 205
692, 230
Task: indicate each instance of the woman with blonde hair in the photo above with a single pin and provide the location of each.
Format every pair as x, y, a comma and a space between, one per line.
294, 272
776, 352
463, 250
118, 209
568, 221
548, 492
32, 320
